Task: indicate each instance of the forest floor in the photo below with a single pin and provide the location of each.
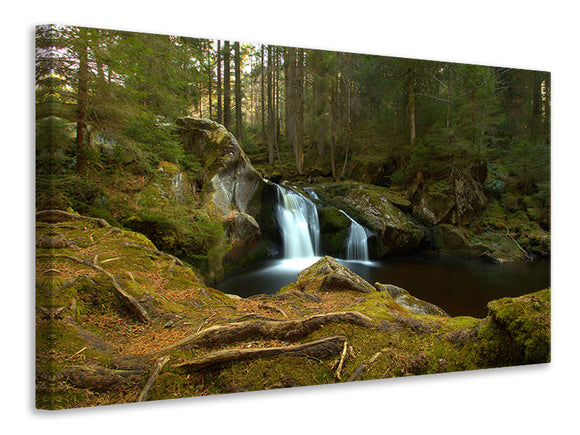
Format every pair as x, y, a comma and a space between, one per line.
118, 321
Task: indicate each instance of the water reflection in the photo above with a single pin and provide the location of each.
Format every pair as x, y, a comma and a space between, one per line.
461, 286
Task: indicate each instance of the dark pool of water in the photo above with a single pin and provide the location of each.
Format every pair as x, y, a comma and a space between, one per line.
459, 285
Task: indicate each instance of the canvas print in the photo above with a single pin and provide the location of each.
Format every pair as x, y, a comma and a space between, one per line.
217, 217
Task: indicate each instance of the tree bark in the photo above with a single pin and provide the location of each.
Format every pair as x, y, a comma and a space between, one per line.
219, 84
271, 119
412, 131
82, 105
227, 88
238, 91
287, 330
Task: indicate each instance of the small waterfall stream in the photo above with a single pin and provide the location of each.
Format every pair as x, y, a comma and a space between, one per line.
356, 245
298, 221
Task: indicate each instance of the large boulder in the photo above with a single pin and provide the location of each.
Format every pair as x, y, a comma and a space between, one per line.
434, 208
470, 200
396, 232
233, 191
334, 230
233, 183
328, 275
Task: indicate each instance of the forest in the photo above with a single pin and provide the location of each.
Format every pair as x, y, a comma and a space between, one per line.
166, 165
301, 111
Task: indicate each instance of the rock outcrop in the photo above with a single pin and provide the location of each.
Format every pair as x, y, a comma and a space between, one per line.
233, 189
328, 275
396, 232
233, 183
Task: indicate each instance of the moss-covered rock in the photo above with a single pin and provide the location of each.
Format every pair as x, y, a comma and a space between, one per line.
517, 330
328, 275
334, 230
409, 302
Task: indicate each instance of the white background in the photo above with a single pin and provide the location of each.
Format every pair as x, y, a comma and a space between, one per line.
522, 34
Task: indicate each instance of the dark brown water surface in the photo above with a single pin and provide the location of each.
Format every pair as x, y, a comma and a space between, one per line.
459, 285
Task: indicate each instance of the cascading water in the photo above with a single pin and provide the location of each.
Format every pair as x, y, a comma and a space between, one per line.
298, 221
356, 245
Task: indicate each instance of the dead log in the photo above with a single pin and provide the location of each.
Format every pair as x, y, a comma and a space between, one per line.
287, 330
319, 349
54, 216
155, 370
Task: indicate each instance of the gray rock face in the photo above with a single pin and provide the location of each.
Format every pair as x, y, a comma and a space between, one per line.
411, 303
234, 190
234, 184
433, 209
471, 200
396, 232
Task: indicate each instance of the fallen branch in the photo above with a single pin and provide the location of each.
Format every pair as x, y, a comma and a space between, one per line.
510, 237
287, 330
155, 370
319, 349
359, 371
341, 362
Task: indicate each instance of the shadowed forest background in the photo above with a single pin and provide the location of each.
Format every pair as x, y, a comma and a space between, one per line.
296, 112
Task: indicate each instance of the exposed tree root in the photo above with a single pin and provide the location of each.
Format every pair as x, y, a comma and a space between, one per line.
319, 349
288, 330
54, 216
154, 251
132, 304
157, 366
99, 378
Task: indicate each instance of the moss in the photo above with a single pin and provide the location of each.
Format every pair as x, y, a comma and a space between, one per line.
517, 331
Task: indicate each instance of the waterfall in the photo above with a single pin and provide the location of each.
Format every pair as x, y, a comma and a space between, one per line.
356, 245
298, 221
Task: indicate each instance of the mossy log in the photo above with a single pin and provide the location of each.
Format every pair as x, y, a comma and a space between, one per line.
323, 348
288, 330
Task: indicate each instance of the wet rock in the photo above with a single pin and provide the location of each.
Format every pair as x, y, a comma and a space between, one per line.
411, 303
396, 232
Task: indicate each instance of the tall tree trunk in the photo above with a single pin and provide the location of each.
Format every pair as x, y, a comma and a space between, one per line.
263, 91
82, 103
238, 91
473, 118
219, 84
300, 113
290, 98
536, 120
271, 120
412, 131
227, 88
209, 79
